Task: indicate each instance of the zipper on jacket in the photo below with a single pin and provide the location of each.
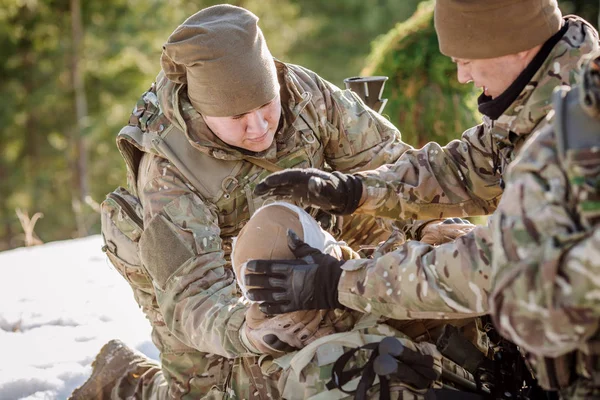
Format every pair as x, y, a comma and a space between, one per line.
128, 209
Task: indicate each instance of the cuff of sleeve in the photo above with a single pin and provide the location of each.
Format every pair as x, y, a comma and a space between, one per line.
245, 340
236, 329
351, 284
372, 199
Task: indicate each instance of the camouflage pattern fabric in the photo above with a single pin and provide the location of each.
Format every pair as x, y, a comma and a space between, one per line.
546, 263
305, 373
463, 178
453, 280
422, 281
186, 286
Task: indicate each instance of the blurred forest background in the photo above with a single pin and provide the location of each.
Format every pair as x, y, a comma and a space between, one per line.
72, 70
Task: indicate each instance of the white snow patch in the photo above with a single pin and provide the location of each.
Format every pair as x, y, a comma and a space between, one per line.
59, 304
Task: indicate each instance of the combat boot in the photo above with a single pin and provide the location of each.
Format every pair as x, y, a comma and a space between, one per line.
111, 363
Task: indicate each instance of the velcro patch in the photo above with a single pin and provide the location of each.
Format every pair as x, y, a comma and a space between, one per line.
163, 250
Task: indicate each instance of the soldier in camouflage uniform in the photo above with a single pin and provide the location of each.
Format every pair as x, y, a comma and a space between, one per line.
221, 116
323, 335
517, 52
547, 245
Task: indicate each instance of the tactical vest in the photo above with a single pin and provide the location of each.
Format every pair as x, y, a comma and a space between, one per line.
168, 130
223, 180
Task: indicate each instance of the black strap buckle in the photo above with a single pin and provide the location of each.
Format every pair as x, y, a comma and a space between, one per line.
389, 359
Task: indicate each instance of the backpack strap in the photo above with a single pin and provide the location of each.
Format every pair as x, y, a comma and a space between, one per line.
269, 166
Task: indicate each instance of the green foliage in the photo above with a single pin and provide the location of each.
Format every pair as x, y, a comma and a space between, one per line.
425, 100
342, 32
38, 112
586, 9
121, 46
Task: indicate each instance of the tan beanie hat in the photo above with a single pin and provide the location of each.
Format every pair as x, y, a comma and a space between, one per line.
221, 54
477, 29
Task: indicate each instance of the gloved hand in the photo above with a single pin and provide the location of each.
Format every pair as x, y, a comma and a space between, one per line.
335, 192
442, 231
283, 333
307, 283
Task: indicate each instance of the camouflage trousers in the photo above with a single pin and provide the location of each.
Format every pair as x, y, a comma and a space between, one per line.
194, 376
302, 374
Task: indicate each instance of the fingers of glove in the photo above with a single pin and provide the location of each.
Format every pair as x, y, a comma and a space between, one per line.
286, 181
298, 247
272, 267
277, 344
274, 308
262, 295
253, 281
287, 178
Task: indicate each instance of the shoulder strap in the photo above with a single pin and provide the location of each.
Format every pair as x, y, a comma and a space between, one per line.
269, 166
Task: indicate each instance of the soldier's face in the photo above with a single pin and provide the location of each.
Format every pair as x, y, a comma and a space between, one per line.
492, 75
252, 131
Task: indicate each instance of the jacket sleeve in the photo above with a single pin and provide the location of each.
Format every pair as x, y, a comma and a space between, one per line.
355, 137
546, 284
181, 249
455, 180
421, 281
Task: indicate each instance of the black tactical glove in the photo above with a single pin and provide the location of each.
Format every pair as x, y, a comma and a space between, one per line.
307, 283
335, 192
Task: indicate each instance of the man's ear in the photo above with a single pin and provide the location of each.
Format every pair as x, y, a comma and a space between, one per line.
527, 55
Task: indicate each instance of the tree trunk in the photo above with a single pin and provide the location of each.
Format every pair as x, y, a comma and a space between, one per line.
78, 141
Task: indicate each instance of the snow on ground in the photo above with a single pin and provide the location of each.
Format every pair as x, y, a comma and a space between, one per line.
59, 303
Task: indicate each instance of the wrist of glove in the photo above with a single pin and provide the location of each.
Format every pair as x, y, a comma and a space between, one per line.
335, 192
307, 283
353, 189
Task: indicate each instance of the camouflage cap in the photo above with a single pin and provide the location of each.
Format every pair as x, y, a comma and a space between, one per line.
222, 56
477, 29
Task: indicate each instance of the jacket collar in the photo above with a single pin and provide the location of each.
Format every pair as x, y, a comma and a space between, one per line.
559, 68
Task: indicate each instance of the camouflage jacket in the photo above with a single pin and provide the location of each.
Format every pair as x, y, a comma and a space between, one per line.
462, 178
188, 229
546, 287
